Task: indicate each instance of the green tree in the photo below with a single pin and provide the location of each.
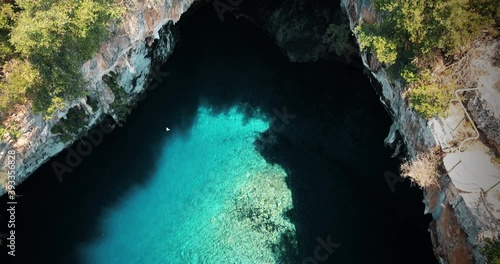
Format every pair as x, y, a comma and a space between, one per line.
18, 76
53, 38
336, 38
6, 20
491, 251
412, 33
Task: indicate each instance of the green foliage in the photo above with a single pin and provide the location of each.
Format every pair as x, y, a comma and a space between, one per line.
430, 99
487, 8
410, 73
336, 37
18, 76
6, 20
13, 133
3, 131
50, 27
60, 81
420, 30
43, 45
428, 95
385, 48
491, 251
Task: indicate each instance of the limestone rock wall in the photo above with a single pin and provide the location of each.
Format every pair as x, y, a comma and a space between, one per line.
142, 40
297, 27
465, 210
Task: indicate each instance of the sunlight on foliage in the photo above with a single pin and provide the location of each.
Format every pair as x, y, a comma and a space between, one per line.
425, 29
43, 45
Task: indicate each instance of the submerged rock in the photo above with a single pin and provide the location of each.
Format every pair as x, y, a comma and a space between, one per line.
257, 224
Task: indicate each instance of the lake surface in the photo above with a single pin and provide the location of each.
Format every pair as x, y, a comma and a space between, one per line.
265, 162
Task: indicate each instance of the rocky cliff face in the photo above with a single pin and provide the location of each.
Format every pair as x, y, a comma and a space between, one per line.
466, 207
297, 27
141, 41
417, 135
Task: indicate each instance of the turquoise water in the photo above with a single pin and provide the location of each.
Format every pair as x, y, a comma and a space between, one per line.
201, 194
211, 199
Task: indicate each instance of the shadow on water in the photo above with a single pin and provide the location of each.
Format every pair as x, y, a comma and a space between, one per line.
332, 150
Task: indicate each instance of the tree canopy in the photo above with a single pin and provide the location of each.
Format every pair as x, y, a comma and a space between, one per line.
43, 45
410, 35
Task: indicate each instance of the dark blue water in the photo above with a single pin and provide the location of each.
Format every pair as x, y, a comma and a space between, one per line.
222, 186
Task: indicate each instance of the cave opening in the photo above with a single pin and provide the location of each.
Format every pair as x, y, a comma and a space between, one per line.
320, 123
